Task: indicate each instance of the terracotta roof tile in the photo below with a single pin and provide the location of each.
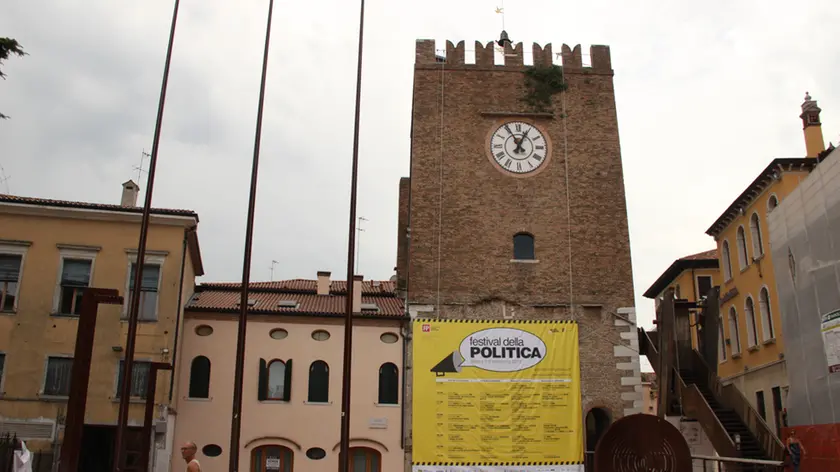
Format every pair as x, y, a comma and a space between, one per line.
702, 256
91, 206
369, 287
308, 303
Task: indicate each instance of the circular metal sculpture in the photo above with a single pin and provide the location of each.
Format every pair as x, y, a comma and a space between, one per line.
642, 443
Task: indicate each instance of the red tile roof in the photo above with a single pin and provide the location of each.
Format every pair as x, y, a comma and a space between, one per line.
702, 256
91, 206
369, 287
224, 297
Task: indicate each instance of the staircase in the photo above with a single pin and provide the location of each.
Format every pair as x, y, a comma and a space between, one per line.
722, 411
728, 418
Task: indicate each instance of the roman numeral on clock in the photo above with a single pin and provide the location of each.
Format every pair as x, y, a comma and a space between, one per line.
518, 166
539, 147
538, 157
518, 127
508, 163
500, 154
497, 146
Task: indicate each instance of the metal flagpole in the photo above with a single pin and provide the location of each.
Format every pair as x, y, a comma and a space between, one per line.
128, 363
344, 456
236, 417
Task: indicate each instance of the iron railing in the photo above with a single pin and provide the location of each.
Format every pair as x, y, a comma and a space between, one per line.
41, 461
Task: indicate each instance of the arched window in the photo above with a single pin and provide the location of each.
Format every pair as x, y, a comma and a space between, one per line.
319, 382
766, 314
677, 292
772, 203
743, 256
726, 261
755, 232
721, 337
597, 422
523, 247
200, 378
272, 458
275, 381
389, 386
364, 459
752, 332
734, 332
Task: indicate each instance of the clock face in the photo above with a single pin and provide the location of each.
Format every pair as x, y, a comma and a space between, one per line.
519, 148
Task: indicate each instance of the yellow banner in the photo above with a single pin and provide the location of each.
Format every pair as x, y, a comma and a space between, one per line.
496, 393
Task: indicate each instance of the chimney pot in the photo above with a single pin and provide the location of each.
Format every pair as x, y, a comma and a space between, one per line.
129, 194
323, 287
357, 293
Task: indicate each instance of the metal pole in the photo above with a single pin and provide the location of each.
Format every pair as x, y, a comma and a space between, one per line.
344, 456
80, 373
236, 417
125, 385
148, 416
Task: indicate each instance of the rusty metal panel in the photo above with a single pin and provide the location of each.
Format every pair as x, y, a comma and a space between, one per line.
642, 443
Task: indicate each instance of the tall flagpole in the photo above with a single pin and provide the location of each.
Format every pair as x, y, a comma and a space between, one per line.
236, 417
344, 456
134, 305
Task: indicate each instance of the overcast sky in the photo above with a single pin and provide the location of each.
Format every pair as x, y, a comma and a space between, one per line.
707, 94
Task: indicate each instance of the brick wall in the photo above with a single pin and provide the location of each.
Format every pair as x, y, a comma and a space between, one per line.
462, 215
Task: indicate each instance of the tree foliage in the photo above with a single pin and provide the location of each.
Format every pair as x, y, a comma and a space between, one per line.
8, 47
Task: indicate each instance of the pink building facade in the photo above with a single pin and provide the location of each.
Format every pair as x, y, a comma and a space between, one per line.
292, 379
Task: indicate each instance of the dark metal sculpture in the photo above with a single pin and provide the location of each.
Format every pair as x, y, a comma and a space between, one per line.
642, 443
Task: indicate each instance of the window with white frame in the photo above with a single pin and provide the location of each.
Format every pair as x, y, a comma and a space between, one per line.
726, 259
139, 379
734, 332
57, 376
10, 268
150, 282
74, 277
755, 232
743, 256
766, 314
752, 331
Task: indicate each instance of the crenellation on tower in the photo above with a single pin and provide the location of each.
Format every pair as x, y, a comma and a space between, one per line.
426, 56
513, 55
600, 56
485, 56
454, 54
543, 56
572, 58
424, 52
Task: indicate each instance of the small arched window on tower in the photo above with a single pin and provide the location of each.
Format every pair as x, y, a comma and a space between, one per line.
523, 247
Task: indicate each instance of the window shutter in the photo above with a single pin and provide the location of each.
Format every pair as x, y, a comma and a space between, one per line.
287, 382
263, 381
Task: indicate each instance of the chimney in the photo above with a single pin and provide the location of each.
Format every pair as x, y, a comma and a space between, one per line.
812, 127
129, 194
323, 283
357, 293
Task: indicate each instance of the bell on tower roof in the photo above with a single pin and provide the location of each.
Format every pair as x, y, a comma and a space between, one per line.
503, 39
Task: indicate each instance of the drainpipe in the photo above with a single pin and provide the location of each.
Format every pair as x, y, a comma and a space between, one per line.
405, 333
178, 311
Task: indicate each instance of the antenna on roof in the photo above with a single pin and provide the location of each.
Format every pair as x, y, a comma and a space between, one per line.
140, 170
359, 241
4, 179
271, 277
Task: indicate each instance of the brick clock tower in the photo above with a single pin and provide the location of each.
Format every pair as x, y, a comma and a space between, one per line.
515, 207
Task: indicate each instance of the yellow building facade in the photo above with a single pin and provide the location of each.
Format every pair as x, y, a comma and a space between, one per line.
752, 353
50, 251
690, 277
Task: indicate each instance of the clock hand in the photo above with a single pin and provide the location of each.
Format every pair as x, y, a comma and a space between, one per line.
518, 148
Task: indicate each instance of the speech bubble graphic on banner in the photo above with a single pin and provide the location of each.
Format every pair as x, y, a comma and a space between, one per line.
495, 350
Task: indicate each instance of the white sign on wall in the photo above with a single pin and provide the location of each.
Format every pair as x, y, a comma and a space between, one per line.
272, 463
830, 328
